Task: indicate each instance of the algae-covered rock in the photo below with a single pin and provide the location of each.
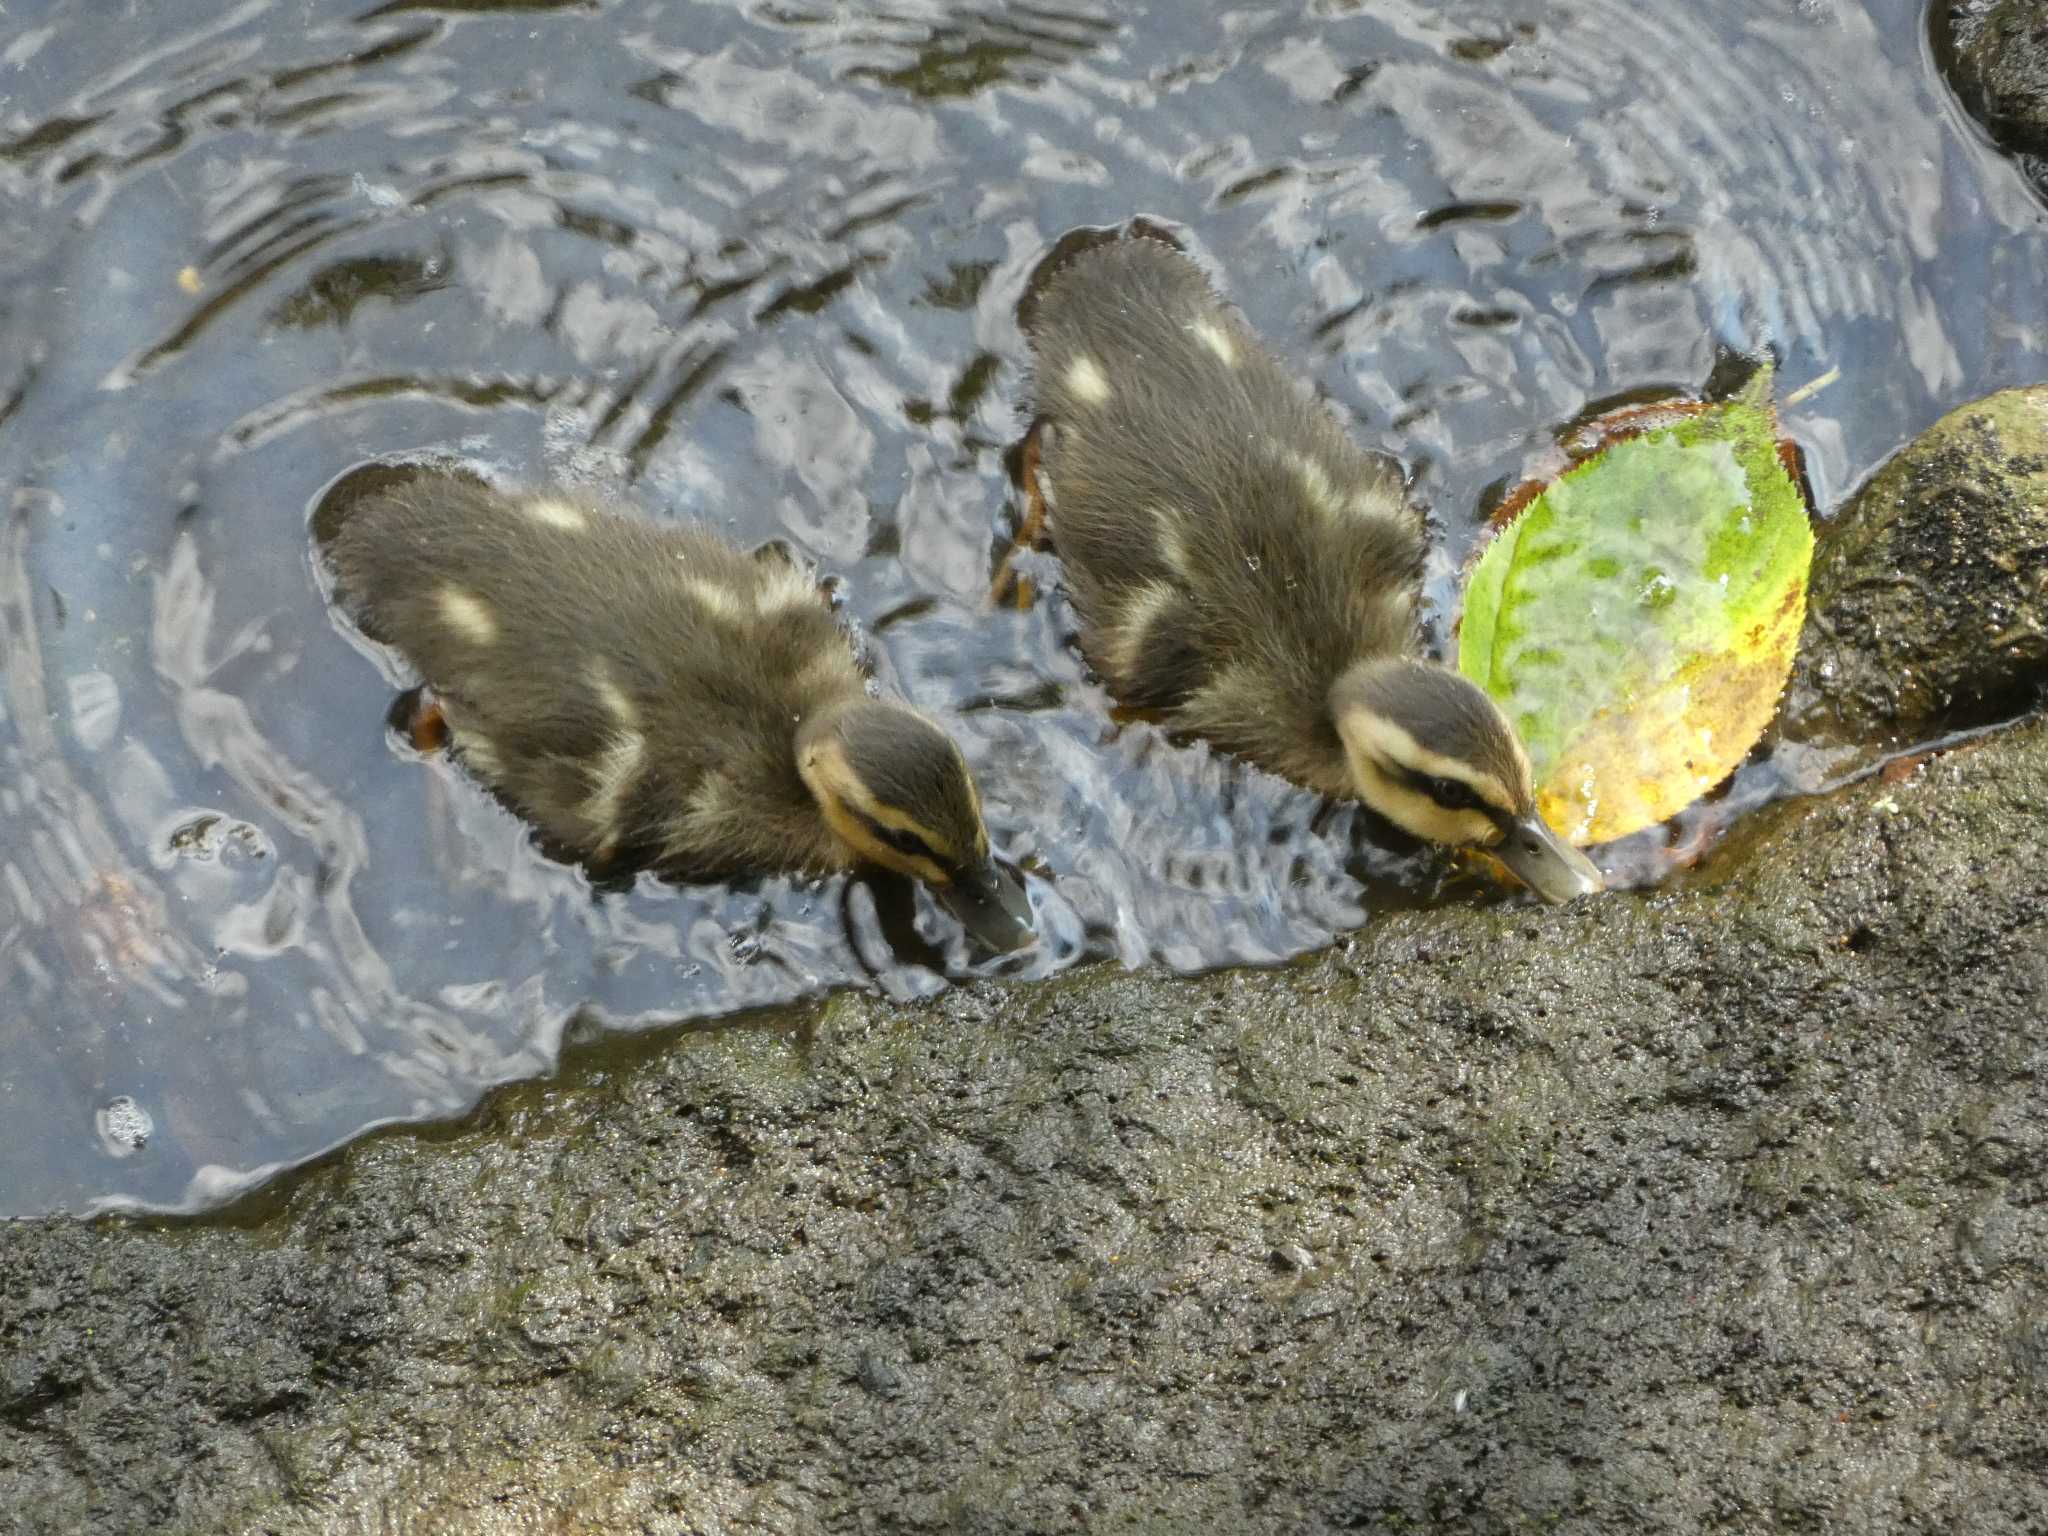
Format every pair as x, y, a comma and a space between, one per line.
1927, 609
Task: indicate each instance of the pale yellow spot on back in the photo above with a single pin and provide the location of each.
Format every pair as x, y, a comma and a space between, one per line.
1173, 544
468, 615
611, 776
612, 696
1378, 504
707, 812
710, 801
1140, 609
553, 513
480, 753
832, 672
1398, 606
785, 588
1315, 484
1217, 340
1234, 691
1087, 380
715, 600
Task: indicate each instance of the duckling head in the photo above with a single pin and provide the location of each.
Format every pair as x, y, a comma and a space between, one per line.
896, 792
1429, 751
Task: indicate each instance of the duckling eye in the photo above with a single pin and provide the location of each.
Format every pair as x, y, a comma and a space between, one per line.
909, 844
1451, 794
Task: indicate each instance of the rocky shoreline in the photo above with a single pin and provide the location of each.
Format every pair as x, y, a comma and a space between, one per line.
1718, 1207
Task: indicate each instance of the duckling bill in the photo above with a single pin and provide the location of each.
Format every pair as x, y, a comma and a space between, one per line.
650, 693
1240, 565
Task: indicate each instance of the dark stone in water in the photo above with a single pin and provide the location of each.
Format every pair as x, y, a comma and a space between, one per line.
1995, 53
1928, 607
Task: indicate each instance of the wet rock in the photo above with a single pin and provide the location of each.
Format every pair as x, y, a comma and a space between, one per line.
1292, 1256
1995, 53
1720, 1208
878, 1376
1928, 606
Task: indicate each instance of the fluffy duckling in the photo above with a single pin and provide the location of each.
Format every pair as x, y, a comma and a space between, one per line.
1240, 565
649, 692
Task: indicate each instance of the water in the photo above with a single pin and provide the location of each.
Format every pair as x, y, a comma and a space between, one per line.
759, 264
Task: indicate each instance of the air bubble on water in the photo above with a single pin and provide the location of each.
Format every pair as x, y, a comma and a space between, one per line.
124, 1126
378, 196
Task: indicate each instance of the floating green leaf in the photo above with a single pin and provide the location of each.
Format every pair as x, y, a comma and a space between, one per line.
1637, 619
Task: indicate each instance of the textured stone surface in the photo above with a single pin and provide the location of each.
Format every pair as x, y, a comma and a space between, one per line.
1720, 1208
1928, 607
1995, 53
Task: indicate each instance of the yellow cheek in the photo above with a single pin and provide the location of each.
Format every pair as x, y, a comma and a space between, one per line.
1454, 829
918, 868
1464, 829
866, 846
1417, 814
906, 864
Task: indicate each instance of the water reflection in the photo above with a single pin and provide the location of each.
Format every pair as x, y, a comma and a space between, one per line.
760, 264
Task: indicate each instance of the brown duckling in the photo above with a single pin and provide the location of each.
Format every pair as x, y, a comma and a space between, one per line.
1240, 565
648, 692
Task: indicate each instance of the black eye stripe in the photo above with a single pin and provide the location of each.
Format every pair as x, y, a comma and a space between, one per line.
906, 843
1451, 794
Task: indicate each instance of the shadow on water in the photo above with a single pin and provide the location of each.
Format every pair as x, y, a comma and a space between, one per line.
761, 265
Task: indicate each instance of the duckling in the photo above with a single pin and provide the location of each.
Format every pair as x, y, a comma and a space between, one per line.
1241, 566
652, 693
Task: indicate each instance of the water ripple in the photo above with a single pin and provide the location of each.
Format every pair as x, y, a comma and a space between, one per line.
761, 263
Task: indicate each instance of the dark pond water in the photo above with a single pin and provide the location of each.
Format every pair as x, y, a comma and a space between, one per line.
759, 264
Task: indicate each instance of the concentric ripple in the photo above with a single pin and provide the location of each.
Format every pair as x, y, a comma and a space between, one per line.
760, 264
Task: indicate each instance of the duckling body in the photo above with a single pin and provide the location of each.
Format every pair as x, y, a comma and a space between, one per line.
650, 691
1230, 550
1240, 564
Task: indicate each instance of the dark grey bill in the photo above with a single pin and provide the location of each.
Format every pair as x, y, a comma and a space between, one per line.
991, 906
1546, 863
